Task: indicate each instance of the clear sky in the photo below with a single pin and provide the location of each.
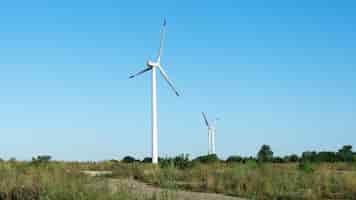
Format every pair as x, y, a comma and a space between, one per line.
280, 72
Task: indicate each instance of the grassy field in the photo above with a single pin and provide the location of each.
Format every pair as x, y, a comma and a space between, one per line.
64, 180
58, 180
255, 181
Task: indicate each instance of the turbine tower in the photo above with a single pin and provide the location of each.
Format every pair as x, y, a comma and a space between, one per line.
211, 134
152, 65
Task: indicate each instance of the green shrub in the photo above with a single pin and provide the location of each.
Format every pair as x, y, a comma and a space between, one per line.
182, 161
42, 159
234, 159
291, 158
278, 160
212, 158
305, 167
147, 160
128, 159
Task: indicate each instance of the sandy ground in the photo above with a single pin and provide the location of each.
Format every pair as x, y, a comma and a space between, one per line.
143, 189
96, 173
147, 190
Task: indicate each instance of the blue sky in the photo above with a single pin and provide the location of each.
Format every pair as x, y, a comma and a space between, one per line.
281, 73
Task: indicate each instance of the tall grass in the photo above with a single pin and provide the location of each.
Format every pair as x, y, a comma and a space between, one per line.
257, 181
64, 180
58, 180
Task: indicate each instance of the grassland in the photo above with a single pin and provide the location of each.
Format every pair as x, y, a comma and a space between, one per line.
58, 180
253, 180
65, 180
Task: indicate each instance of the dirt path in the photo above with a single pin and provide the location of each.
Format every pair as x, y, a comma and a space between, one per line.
148, 191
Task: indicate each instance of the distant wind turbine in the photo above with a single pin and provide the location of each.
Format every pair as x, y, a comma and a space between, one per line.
151, 66
211, 134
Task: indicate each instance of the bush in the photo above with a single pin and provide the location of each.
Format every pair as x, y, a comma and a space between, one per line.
42, 159
278, 160
180, 162
291, 158
305, 167
207, 159
310, 156
249, 159
147, 160
165, 162
234, 159
128, 159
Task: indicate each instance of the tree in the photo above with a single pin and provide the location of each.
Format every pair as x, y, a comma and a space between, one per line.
128, 159
44, 158
345, 153
234, 159
310, 156
147, 160
211, 158
291, 158
326, 156
41, 159
265, 154
182, 161
278, 159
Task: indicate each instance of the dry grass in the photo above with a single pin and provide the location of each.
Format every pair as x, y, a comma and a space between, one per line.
64, 180
266, 181
58, 180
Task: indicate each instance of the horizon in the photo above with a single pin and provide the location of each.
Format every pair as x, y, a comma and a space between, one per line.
182, 154
277, 73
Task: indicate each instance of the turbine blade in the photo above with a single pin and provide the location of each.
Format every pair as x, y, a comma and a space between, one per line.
205, 119
141, 72
163, 30
215, 120
165, 76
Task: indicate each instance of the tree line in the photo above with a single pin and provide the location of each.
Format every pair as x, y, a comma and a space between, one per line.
264, 155
345, 154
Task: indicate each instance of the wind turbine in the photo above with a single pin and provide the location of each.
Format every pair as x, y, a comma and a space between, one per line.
151, 66
211, 134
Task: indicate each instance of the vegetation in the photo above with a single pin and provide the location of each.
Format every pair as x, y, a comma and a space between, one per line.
234, 159
304, 180
41, 159
212, 158
129, 159
265, 154
313, 175
180, 162
38, 180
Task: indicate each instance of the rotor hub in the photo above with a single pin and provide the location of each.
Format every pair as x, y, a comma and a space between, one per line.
151, 64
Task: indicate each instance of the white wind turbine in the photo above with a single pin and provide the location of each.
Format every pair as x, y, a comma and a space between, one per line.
211, 134
152, 65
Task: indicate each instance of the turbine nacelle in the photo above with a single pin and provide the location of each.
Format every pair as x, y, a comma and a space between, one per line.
152, 64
